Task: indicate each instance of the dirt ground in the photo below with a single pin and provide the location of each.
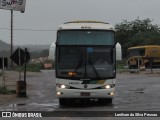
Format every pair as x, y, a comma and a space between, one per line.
11, 78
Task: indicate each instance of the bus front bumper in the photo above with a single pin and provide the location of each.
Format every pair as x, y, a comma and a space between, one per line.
81, 93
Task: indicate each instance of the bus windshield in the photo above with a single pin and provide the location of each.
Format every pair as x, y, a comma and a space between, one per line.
82, 62
85, 37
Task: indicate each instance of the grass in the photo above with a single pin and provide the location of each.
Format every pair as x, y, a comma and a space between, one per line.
5, 91
120, 64
32, 67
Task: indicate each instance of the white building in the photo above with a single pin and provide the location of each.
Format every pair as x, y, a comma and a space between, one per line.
52, 51
118, 52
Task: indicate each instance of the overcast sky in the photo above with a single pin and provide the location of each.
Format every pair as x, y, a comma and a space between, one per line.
49, 14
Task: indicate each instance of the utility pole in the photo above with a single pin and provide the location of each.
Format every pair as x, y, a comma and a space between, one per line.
11, 36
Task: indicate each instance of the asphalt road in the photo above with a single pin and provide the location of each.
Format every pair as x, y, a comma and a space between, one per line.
134, 92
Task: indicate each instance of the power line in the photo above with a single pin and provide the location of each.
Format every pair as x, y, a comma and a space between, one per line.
24, 29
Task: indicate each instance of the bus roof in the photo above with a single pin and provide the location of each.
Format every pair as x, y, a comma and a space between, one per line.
145, 46
86, 24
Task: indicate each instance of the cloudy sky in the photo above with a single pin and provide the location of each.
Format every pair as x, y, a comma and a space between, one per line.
49, 14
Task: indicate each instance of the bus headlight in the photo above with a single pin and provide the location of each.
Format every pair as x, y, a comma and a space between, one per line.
59, 93
111, 94
108, 86
63, 86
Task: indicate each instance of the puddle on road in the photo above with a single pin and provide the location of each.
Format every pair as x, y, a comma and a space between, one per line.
31, 106
21, 104
139, 91
15, 105
44, 104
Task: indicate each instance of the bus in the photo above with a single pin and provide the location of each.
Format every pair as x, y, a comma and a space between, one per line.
145, 55
85, 62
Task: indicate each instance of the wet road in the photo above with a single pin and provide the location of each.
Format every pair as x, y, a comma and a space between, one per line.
134, 92
40, 94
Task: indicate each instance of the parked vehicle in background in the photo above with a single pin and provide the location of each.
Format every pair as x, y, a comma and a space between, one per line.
145, 56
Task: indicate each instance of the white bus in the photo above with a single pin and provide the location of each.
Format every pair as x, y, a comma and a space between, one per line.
85, 61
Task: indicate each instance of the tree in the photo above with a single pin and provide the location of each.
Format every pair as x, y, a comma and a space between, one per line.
137, 32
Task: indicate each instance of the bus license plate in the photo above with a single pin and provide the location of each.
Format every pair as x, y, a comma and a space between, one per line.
85, 94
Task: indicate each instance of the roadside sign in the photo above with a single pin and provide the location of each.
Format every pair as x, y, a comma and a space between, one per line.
17, 5
20, 56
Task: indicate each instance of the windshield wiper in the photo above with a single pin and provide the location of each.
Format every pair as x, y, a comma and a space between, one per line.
78, 65
94, 69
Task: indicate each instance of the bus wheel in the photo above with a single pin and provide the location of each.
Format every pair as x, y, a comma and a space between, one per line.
109, 100
62, 101
105, 100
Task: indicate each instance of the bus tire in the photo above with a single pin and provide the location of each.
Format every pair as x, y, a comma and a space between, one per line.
105, 100
62, 101
109, 100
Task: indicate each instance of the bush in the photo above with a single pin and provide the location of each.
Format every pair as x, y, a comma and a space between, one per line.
4, 90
